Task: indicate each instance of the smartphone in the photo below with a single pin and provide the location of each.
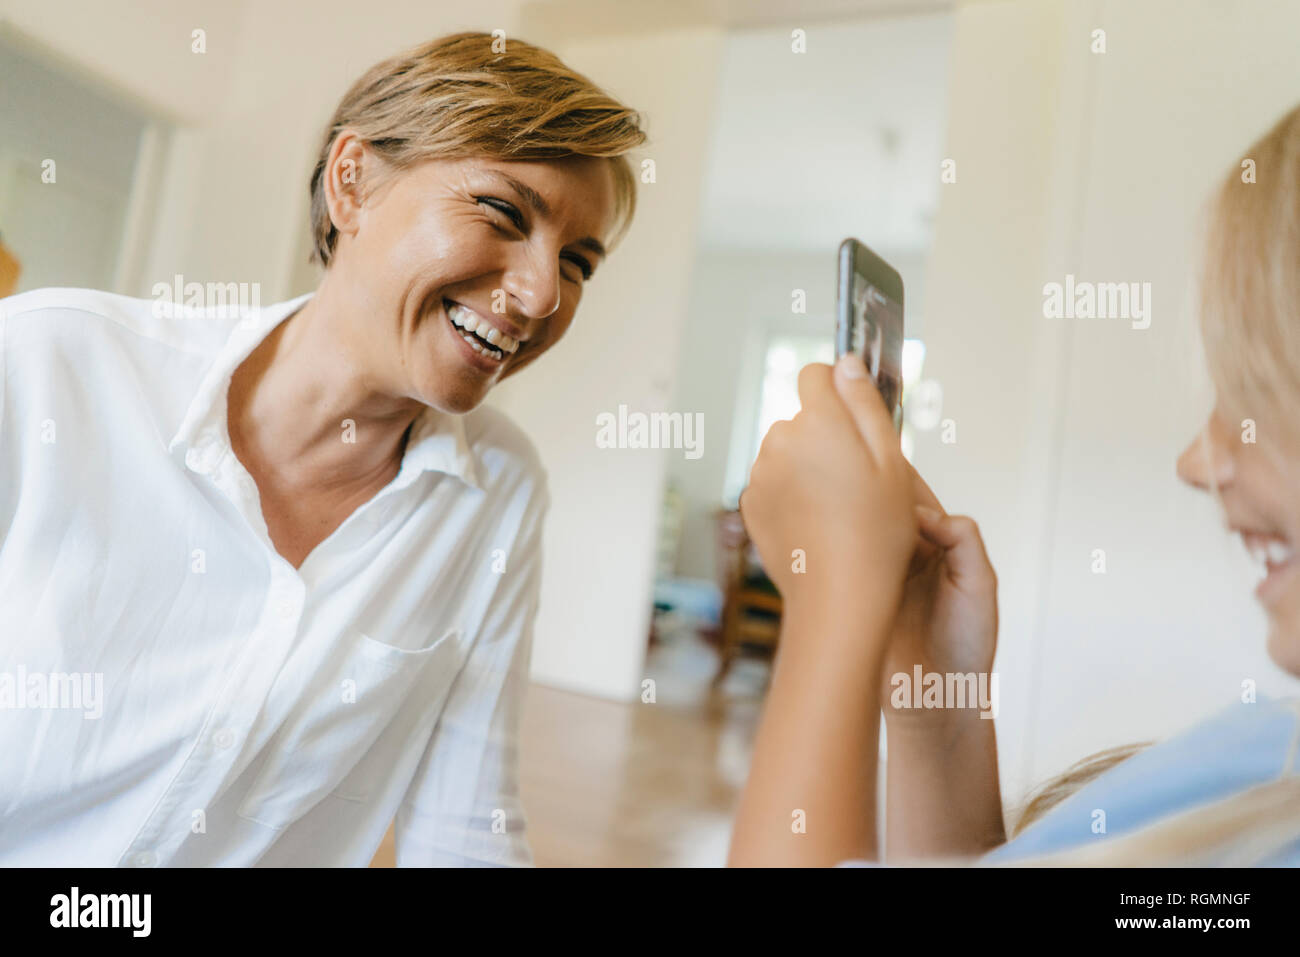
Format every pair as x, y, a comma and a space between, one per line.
869, 320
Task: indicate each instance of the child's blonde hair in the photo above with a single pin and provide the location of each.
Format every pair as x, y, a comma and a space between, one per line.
1250, 288
1250, 327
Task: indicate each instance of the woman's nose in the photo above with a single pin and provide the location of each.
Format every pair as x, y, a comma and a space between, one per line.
535, 286
1207, 461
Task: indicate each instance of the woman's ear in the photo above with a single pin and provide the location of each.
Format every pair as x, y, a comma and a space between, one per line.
343, 177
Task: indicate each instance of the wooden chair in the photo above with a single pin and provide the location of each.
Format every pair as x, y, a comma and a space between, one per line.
9, 271
751, 605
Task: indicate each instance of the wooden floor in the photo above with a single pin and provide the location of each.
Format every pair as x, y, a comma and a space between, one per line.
640, 785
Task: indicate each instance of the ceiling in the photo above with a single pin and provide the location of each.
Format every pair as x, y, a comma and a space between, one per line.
577, 18
843, 140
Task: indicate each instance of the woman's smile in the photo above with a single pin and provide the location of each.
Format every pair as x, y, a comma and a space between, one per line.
482, 344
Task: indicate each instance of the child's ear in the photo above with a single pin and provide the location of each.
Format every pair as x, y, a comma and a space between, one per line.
343, 177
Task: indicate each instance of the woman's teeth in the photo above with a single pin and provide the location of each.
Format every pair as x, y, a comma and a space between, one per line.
479, 333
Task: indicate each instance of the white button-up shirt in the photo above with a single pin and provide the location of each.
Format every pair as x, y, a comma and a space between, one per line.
172, 690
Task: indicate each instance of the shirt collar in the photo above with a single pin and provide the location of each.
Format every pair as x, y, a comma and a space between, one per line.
437, 441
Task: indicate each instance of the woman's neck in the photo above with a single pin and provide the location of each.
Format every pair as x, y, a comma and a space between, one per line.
305, 413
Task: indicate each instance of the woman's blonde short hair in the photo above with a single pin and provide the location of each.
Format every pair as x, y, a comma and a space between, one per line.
457, 96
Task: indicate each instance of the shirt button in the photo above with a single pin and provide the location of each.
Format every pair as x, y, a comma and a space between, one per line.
285, 608
223, 738
144, 859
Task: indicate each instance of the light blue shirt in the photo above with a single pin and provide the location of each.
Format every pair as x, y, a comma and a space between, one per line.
1242, 746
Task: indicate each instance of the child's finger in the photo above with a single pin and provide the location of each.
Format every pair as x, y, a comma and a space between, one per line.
817, 392
959, 536
865, 405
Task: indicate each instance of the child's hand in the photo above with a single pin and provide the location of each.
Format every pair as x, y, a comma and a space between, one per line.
948, 618
830, 504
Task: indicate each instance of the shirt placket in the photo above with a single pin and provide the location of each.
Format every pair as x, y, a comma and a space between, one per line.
227, 725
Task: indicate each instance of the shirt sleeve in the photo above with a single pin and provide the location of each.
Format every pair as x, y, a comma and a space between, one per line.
463, 806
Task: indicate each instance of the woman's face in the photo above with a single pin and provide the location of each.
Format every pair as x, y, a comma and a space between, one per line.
1259, 485
460, 272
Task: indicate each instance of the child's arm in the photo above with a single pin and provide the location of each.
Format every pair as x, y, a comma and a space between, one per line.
943, 797
811, 794
830, 508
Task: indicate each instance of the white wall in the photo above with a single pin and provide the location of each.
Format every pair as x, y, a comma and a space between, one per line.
838, 140
807, 148
1096, 165
250, 111
68, 157
142, 49
735, 299
594, 619
738, 299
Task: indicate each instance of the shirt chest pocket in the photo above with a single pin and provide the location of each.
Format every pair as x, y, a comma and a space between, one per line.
372, 691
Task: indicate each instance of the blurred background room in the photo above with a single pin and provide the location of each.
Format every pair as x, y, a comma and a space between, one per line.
983, 147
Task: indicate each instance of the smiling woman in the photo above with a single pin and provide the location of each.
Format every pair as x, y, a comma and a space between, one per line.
520, 159
317, 481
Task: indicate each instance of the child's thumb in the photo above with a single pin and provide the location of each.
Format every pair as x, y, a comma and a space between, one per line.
860, 394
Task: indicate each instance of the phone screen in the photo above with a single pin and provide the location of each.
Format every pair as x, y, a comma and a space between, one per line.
876, 334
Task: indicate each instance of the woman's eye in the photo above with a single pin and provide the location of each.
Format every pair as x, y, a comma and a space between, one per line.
582, 264
501, 206
517, 218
